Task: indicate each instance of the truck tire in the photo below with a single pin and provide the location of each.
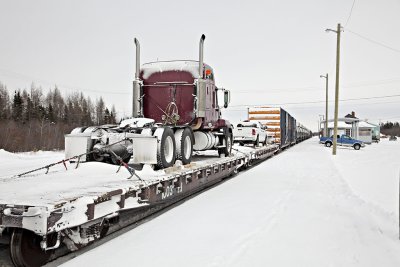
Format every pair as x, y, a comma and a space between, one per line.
357, 146
257, 142
228, 145
265, 141
166, 147
328, 144
184, 145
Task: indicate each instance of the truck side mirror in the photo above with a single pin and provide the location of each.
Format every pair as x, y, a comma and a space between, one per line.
227, 98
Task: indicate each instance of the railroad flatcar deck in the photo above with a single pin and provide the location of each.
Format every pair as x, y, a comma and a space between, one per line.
78, 205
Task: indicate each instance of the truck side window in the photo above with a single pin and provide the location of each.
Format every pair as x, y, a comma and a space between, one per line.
214, 100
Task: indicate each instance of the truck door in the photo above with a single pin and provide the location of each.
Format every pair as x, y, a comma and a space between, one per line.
339, 140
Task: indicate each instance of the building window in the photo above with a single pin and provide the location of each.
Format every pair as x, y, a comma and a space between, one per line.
364, 132
348, 132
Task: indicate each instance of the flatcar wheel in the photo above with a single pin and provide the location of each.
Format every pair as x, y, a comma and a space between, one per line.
25, 249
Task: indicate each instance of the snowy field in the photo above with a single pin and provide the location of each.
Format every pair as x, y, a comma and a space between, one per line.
300, 208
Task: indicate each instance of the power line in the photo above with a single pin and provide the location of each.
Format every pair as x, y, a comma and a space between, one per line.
313, 88
351, 10
373, 41
317, 102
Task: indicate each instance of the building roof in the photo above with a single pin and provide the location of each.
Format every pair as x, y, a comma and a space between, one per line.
343, 125
364, 124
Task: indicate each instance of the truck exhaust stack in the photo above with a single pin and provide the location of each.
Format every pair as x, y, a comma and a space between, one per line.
136, 92
201, 48
137, 58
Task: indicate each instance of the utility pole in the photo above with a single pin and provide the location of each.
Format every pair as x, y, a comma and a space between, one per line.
326, 105
339, 28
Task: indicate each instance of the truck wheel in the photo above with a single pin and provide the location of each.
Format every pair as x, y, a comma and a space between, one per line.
328, 144
96, 156
257, 142
265, 141
228, 146
166, 148
184, 145
357, 146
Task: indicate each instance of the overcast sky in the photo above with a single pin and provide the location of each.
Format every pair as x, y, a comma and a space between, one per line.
265, 52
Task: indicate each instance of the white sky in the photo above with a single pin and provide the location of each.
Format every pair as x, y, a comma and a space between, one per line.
265, 52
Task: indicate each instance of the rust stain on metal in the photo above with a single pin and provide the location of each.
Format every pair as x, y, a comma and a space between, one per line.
90, 211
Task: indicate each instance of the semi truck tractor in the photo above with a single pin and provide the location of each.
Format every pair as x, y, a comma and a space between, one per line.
174, 112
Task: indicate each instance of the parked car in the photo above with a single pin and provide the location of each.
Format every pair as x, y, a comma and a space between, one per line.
392, 138
250, 132
343, 140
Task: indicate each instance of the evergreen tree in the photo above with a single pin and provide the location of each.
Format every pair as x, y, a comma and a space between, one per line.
113, 118
17, 106
107, 117
4, 103
100, 108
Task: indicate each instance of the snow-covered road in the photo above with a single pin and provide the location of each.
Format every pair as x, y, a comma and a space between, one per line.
300, 208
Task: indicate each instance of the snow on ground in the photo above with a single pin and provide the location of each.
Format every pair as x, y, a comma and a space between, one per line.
374, 174
299, 208
13, 164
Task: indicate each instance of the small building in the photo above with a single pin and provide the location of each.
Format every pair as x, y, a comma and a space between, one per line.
355, 128
376, 132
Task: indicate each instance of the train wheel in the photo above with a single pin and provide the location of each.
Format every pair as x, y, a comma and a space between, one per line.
166, 147
25, 249
184, 145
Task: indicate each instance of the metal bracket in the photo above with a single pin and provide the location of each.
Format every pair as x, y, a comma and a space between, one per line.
9, 212
43, 243
64, 210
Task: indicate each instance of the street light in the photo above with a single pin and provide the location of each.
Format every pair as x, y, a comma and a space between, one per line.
326, 105
321, 118
339, 29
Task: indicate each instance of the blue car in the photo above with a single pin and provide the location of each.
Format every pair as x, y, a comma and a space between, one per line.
343, 140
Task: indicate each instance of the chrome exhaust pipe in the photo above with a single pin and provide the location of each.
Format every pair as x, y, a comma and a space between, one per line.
136, 94
137, 59
201, 48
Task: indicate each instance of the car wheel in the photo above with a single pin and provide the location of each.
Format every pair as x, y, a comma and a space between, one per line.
257, 142
357, 146
328, 144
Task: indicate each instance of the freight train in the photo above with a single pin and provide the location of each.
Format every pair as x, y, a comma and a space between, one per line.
175, 112
281, 126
